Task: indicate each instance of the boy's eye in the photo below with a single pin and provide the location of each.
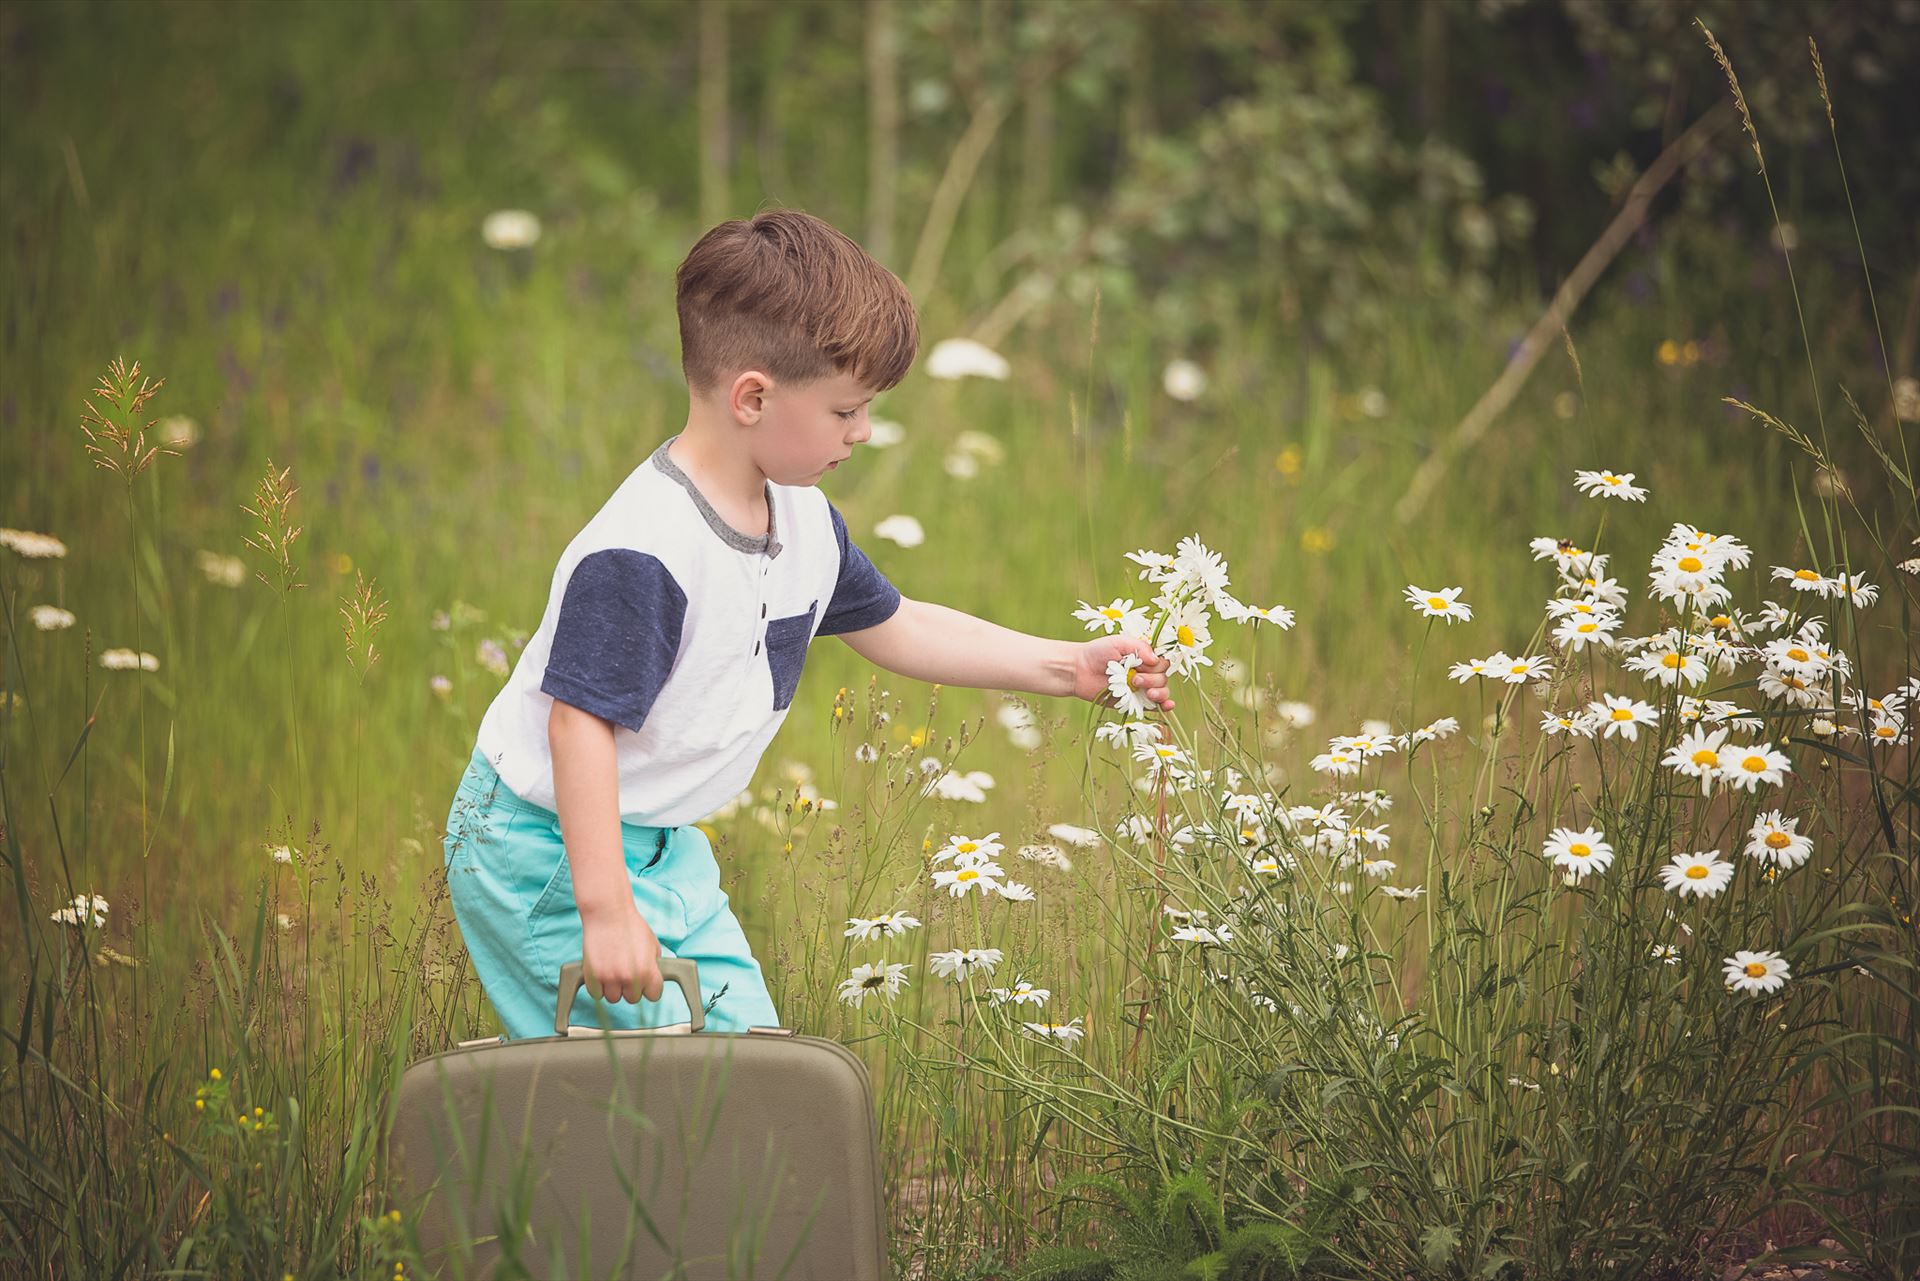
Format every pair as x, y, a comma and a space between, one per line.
847, 414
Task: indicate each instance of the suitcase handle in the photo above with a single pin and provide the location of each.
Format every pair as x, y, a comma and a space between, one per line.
673, 969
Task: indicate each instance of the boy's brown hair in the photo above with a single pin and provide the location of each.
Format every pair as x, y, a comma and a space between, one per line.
787, 293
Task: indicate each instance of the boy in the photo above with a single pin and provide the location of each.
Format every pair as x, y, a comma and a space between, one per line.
676, 626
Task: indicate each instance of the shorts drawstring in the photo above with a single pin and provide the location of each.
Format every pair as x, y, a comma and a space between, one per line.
659, 848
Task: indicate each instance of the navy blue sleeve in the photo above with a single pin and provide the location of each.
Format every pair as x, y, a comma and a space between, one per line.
862, 597
617, 635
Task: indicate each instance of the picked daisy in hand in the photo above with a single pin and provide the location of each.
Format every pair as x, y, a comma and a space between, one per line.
1757, 972
883, 979
1606, 484
1127, 700
885, 925
1578, 853
1117, 615
1775, 839
1701, 875
1444, 603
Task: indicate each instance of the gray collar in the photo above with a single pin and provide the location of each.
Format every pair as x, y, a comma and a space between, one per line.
766, 543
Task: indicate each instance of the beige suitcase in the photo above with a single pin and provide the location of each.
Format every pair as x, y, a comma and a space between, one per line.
666, 1152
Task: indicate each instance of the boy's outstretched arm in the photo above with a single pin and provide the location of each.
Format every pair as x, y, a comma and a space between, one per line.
935, 643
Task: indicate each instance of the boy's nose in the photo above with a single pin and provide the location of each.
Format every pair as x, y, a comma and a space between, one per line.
862, 431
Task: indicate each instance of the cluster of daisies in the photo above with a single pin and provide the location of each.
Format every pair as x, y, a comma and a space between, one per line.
969, 865
1177, 622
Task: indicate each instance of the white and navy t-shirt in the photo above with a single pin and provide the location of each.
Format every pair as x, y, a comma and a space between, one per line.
686, 634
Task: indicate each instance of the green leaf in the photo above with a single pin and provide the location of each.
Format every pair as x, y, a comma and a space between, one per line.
1437, 1245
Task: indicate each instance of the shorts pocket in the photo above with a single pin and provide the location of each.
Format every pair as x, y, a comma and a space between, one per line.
787, 640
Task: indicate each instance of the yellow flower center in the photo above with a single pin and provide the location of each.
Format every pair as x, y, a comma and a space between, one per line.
1623, 713
1579, 851
966, 874
1111, 612
1691, 564
1720, 620
1797, 654
1670, 660
1698, 872
966, 847
1756, 970
1754, 764
1587, 627
1610, 478
1184, 634
1883, 731
1778, 840
1705, 757
1436, 602
1518, 667
1806, 575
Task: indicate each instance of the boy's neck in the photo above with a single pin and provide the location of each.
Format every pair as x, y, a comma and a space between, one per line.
724, 473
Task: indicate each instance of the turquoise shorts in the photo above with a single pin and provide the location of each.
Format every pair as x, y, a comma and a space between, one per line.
512, 891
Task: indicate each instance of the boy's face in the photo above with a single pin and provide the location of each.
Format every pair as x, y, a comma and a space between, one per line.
797, 433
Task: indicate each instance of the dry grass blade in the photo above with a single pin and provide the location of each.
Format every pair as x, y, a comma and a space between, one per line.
1739, 98
1786, 429
1875, 443
273, 508
120, 445
361, 615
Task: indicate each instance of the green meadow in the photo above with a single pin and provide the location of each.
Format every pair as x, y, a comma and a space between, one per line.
379, 431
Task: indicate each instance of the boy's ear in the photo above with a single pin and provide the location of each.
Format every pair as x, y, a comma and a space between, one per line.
747, 397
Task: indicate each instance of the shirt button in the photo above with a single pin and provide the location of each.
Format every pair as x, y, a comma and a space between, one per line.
756, 647
763, 611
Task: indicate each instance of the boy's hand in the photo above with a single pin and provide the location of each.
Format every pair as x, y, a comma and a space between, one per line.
1090, 670
620, 954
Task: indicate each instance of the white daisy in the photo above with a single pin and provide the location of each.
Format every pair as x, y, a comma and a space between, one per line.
1577, 725
1697, 755
1022, 992
1703, 875
508, 229
1757, 972
1666, 953
1577, 631
1519, 671
1126, 700
885, 925
1117, 615
1492, 665
1014, 892
1620, 714
1605, 484
1212, 936
1887, 731
1804, 580
1444, 603
1183, 380
1084, 837
1776, 839
984, 877
882, 978
1184, 638
1668, 665
50, 618
969, 851
1068, 1032
1748, 767
1578, 853
961, 962
126, 660
1118, 733
1403, 892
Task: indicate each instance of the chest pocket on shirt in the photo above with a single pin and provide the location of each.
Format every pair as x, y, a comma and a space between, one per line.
787, 651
